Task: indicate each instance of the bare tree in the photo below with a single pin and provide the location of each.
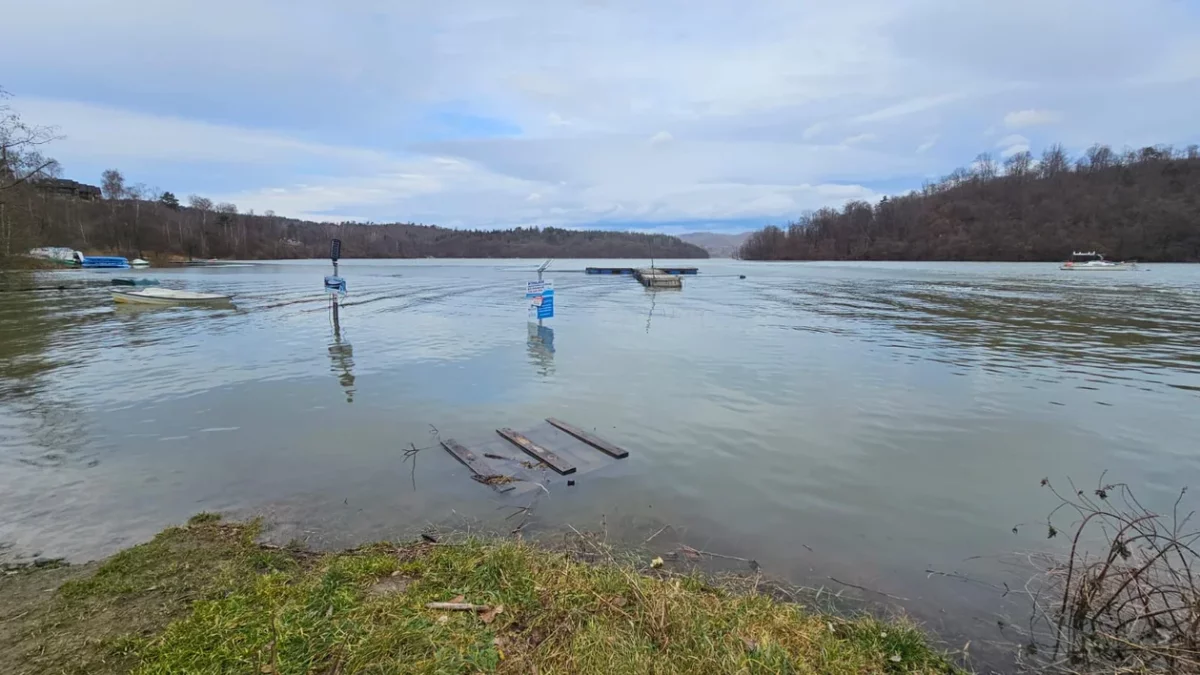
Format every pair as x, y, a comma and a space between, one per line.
1100, 157
1054, 161
226, 218
20, 159
20, 162
200, 203
112, 184
985, 166
203, 205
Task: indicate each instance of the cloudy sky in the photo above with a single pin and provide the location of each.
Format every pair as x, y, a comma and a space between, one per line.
666, 115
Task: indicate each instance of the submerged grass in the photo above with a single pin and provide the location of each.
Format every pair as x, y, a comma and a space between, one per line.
206, 599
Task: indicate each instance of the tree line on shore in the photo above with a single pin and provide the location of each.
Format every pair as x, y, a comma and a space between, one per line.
1132, 205
39, 208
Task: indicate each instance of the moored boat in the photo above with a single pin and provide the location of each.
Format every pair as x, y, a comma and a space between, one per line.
1090, 261
138, 262
105, 262
167, 296
67, 257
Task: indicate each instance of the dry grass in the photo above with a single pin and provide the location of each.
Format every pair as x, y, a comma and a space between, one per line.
215, 602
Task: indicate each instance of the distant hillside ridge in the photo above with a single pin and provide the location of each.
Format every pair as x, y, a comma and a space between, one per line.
1135, 205
718, 244
136, 227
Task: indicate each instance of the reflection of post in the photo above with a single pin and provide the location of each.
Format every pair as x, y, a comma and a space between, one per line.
541, 348
653, 301
341, 353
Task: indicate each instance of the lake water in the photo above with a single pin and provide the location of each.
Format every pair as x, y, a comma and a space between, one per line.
862, 421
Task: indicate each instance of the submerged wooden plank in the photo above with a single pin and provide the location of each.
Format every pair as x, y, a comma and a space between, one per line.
594, 441
554, 461
477, 466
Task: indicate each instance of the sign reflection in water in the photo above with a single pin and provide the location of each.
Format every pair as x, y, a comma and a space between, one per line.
341, 352
541, 348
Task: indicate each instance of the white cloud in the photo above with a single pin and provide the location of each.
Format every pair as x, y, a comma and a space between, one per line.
1012, 139
660, 138
311, 108
860, 138
1012, 144
1011, 150
98, 131
908, 107
1021, 119
813, 130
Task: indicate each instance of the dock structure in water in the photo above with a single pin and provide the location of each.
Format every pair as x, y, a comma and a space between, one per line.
653, 277
631, 271
547, 453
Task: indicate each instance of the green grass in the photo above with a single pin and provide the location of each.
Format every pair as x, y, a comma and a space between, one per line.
206, 599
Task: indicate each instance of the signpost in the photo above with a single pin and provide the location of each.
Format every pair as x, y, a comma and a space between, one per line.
334, 283
540, 295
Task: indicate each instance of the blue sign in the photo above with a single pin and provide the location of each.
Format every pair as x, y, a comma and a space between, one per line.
546, 309
540, 295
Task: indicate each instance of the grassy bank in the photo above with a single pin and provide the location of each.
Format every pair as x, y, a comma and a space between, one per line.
27, 262
205, 598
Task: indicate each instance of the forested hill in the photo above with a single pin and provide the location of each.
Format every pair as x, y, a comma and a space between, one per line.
141, 227
1139, 205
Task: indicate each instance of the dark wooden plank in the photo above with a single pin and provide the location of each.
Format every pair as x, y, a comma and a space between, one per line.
554, 461
596, 442
478, 466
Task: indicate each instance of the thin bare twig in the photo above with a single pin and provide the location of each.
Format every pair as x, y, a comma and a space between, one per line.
660, 531
869, 590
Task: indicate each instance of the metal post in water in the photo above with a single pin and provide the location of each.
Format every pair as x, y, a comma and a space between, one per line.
541, 269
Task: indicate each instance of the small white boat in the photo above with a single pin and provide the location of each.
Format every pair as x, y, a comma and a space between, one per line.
167, 296
1090, 261
138, 262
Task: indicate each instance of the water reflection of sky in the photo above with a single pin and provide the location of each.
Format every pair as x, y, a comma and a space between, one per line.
869, 419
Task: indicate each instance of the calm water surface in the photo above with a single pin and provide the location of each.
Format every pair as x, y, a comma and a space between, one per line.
861, 421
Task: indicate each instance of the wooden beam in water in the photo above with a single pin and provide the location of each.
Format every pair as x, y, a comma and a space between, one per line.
598, 443
545, 455
473, 462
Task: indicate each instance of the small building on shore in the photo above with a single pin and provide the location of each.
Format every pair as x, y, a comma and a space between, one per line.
61, 187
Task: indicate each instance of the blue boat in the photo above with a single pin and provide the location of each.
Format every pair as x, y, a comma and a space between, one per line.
105, 262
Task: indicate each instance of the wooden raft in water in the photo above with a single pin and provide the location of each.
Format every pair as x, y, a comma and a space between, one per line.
656, 278
566, 449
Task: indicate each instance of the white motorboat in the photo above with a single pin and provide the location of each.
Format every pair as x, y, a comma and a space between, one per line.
1090, 261
167, 296
138, 262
